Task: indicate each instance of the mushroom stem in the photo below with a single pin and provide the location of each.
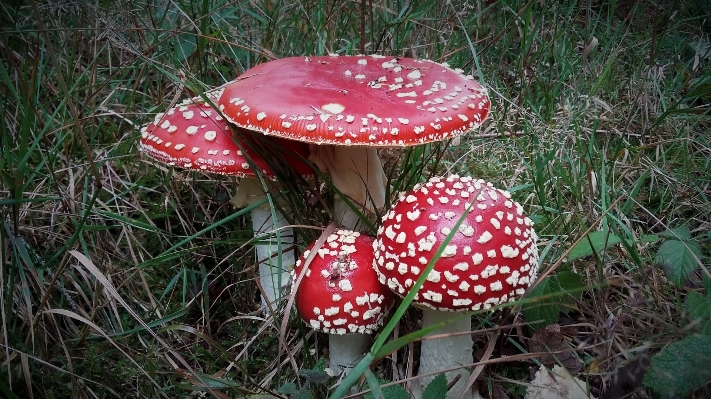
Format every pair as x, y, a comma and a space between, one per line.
346, 350
345, 216
444, 353
273, 276
358, 174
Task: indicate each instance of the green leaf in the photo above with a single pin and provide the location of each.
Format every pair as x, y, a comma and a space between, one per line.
437, 389
699, 308
287, 389
599, 240
679, 259
302, 394
185, 46
649, 238
544, 312
390, 392
321, 364
680, 367
568, 281
677, 233
315, 376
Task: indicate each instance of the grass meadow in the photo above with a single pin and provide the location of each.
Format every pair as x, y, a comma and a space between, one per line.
122, 277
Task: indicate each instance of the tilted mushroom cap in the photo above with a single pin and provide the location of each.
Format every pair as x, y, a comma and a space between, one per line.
194, 136
340, 292
491, 259
356, 100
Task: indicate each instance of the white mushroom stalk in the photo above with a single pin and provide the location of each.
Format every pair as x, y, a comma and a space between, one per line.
491, 259
357, 173
194, 136
341, 296
275, 239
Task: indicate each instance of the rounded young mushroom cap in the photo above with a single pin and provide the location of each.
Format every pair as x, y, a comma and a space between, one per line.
491, 259
356, 100
194, 136
340, 292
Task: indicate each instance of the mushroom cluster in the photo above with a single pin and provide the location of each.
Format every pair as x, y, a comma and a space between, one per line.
491, 259
345, 107
340, 295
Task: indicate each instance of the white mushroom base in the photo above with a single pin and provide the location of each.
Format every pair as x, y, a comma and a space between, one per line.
445, 353
273, 276
345, 351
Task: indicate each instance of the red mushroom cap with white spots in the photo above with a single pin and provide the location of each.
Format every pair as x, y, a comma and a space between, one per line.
491, 259
194, 136
356, 100
340, 292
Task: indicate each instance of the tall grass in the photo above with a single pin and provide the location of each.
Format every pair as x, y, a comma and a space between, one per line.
124, 277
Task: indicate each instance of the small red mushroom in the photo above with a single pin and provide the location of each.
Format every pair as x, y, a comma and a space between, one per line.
194, 136
340, 295
491, 259
346, 106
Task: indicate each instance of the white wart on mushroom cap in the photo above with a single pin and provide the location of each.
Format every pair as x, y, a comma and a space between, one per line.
356, 100
340, 292
194, 136
491, 259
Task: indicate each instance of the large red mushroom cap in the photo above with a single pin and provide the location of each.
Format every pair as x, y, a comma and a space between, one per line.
356, 100
491, 259
194, 136
340, 292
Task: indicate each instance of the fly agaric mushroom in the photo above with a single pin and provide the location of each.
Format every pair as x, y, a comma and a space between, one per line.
349, 105
340, 294
194, 136
491, 259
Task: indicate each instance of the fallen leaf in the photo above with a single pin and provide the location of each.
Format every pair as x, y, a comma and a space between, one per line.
590, 45
556, 385
550, 339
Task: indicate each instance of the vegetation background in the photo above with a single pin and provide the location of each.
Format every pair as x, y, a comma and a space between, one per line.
122, 277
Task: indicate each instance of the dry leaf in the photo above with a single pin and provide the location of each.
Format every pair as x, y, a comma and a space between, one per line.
556, 385
550, 339
589, 46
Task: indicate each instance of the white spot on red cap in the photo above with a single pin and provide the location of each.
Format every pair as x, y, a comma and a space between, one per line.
334, 108
210, 135
484, 238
